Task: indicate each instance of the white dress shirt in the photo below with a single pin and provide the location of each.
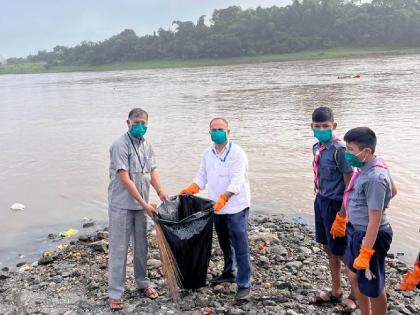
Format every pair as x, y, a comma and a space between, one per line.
226, 171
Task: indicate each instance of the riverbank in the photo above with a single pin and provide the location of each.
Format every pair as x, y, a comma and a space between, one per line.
40, 67
288, 267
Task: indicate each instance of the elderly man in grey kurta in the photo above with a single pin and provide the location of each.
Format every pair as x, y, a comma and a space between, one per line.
132, 171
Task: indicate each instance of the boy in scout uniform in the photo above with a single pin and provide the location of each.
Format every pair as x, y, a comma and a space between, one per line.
331, 175
132, 171
369, 232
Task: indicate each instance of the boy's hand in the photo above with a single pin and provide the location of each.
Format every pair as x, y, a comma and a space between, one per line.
221, 202
362, 261
190, 190
411, 279
338, 228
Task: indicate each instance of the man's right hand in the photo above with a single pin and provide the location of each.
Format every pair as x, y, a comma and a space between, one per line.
190, 190
150, 209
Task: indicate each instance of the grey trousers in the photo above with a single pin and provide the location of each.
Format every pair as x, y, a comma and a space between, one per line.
124, 224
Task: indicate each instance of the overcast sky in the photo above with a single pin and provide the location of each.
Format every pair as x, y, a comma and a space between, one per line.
27, 26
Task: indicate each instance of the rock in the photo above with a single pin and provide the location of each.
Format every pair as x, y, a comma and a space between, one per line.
88, 224
233, 287
45, 260
282, 285
53, 236
154, 263
4, 276
270, 303
291, 312
100, 246
218, 289
316, 249
294, 264
102, 235
305, 250
279, 250
264, 260
186, 304
5, 269
84, 238
266, 237
22, 263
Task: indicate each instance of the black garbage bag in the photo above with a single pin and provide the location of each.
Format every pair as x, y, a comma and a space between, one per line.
187, 223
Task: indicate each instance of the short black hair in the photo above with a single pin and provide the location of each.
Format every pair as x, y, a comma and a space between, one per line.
363, 137
322, 114
135, 112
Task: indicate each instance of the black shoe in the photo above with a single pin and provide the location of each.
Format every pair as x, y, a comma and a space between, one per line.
243, 294
225, 277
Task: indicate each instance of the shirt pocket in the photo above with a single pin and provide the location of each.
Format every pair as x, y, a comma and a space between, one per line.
358, 195
223, 170
328, 172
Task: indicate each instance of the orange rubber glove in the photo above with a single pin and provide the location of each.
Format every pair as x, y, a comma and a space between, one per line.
338, 228
411, 279
221, 202
362, 261
190, 190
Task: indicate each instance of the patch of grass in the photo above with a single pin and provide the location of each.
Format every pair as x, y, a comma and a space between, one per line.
41, 67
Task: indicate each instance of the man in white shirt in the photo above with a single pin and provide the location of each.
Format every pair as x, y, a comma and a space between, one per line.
224, 170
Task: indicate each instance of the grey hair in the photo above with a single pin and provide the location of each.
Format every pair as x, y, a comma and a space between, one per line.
136, 112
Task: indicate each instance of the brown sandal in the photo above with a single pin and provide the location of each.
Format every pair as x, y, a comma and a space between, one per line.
115, 304
346, 308
150, 293
330, 298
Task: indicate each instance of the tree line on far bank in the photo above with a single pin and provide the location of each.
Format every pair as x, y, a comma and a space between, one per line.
234, 32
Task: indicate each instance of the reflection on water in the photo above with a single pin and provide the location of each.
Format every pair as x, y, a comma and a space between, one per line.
55, 130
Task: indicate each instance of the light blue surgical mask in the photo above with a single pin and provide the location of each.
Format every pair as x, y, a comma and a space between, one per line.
352, 159
323, 135
218, 136
138, 130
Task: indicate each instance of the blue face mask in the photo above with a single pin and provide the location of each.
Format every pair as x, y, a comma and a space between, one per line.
218, 136
324, 135
138, 130
352, 159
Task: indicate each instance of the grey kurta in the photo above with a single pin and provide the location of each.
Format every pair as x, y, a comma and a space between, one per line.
126, 217
123, 157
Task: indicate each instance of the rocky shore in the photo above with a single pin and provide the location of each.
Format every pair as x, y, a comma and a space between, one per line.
288, 267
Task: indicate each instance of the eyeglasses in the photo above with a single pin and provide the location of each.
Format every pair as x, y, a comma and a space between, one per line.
219, 129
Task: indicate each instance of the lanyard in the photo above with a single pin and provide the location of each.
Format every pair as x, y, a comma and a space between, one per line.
142, 165
227, 153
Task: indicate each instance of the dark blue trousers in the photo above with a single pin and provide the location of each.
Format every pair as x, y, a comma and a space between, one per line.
232, 231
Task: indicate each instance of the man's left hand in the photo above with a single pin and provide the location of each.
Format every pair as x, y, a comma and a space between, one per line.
221, 202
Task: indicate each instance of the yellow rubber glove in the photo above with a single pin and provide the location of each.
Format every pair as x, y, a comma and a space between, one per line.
221, 202
411, 279
362, 261
338, 228
190, 190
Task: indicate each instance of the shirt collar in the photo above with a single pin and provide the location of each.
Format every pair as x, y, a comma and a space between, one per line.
327, 144
136, 140
369, 165
224, 149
